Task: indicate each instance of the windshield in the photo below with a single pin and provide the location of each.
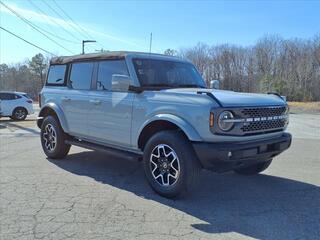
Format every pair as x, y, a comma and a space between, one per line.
167, 74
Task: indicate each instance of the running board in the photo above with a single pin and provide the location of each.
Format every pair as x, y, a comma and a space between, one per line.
109, 150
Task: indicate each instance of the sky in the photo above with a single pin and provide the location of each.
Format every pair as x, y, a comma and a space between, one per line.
126, 25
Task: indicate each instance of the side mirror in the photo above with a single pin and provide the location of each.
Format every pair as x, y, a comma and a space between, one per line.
120, 83
215, 84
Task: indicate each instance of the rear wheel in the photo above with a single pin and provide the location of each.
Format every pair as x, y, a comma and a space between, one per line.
19, 114
254, 169
170, 164
53, 138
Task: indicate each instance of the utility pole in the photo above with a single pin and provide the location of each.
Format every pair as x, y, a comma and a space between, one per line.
150, 43
86, 41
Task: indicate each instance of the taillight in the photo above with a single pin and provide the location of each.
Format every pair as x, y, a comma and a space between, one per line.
29, 101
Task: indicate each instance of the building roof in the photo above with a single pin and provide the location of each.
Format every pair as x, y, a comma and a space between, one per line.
105, 55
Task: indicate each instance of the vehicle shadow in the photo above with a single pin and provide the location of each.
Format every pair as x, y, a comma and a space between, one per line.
262, 207
19, 125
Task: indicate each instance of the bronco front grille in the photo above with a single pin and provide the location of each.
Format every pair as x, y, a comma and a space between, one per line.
254, 120
264, 111
264, 119
265, 125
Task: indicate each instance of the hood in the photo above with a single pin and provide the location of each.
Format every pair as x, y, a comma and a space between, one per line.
234, 99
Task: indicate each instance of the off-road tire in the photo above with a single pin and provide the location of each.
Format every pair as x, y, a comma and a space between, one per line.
188, 163
60, 149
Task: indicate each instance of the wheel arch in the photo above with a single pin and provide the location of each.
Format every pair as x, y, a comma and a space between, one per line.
52, 109
163, 122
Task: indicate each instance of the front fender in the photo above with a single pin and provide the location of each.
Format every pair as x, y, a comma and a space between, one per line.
186, 127
58, 111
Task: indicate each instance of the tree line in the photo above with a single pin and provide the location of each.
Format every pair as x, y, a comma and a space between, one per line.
290, 67
28, 76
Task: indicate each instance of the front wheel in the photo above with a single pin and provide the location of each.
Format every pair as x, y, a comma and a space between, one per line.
53, 138
254, 169
170, 164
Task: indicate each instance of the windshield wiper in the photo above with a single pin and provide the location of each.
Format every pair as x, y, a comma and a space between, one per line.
159, 85
165, 85
190, 86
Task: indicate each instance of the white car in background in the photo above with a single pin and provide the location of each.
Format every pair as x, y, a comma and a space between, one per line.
16, 105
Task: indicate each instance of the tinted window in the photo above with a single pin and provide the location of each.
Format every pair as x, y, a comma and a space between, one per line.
16, 96
3, 96
80, 77
8, 96
56, 74
107, 69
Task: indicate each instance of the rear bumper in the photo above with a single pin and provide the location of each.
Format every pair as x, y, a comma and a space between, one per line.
224, 156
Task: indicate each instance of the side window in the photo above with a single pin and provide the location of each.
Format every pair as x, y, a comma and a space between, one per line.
56, 74
27, 96
107, 69
80, 76
16, 96
7, 96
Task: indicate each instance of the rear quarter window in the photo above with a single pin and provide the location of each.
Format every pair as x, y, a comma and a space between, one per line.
56, 75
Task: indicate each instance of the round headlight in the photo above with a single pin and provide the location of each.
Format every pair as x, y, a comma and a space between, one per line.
223, 122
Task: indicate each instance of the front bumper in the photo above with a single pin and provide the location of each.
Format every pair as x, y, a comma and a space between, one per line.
226, 156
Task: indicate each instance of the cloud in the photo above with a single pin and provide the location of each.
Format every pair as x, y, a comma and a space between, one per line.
58, 23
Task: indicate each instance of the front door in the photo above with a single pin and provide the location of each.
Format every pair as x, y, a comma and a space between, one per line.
110, 117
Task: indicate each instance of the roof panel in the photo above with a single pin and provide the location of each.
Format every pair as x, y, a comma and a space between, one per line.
106, 55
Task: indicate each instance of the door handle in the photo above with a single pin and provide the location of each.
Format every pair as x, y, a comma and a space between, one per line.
65, 99
95, 101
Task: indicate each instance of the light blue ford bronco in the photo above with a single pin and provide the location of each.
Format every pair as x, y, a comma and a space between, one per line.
158, 109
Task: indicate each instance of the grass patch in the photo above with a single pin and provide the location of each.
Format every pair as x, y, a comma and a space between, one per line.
304, 107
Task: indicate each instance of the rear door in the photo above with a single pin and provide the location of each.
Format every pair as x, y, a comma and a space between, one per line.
75, 101
110, 115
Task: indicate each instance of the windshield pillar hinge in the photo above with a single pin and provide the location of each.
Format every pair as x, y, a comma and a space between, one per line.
209, 94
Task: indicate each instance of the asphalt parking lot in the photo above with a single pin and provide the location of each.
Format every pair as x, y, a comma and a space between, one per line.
91, 195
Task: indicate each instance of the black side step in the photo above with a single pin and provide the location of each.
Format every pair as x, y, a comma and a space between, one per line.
109, 150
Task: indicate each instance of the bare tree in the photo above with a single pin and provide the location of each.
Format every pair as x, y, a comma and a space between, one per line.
289, 67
